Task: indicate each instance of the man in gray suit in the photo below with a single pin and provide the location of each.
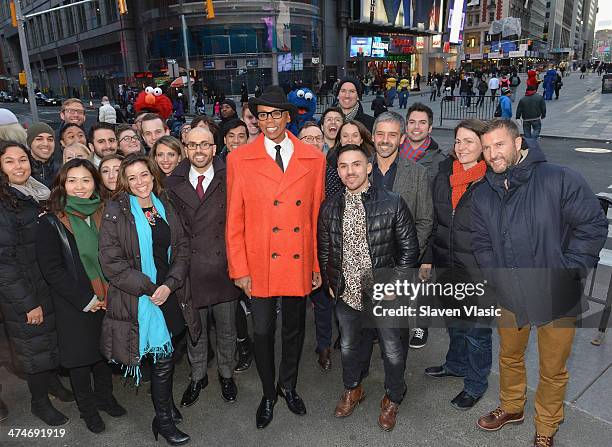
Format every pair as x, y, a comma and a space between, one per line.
406, 178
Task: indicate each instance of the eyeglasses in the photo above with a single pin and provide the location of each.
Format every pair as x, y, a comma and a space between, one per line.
74, 111
275, 114
203, 145
312, 139
130, 139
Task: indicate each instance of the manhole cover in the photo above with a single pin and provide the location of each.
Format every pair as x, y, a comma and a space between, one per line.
593, 150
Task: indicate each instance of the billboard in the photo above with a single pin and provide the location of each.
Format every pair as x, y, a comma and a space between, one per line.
380, 46
422, 15
360, 46
456, 20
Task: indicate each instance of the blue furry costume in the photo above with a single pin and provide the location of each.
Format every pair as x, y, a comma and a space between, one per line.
549, 83
306, 102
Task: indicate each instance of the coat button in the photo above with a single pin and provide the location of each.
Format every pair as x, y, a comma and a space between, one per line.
296, 229
276, 203
298, 203
218, 253
193, 251
296, 256
275, 230
275, 255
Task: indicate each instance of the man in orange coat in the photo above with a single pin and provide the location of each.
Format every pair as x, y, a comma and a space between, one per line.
275, 186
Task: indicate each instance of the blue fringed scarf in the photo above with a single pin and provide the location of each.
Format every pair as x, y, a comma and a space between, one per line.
154, 337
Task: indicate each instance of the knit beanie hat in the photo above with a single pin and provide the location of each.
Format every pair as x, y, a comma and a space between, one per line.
36, 129
7, 117
355, 82
229, 102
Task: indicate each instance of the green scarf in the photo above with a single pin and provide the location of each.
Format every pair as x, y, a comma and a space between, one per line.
86, 236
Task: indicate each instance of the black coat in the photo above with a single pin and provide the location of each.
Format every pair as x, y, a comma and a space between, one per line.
78, 332
450, 251
363, 118
536, 239
120, 261
22, 288
204, 224
391, 234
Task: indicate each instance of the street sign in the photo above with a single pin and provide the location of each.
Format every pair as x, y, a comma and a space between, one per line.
315, 61
173, 68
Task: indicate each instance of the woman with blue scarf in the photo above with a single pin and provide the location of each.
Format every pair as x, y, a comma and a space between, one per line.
144, 255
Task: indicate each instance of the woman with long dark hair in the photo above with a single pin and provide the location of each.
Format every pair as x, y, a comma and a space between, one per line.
144, 253
25, 300
67, 251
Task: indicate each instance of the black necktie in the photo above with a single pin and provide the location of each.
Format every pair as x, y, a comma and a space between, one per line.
279, 159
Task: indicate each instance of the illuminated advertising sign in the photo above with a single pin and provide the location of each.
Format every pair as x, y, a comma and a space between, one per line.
436, 41
380, 46
422, 15
360, 47
402, 45
420, 43
456, 20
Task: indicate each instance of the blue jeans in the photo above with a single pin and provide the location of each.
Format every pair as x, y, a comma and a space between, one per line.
469, 354
323, 307
391, 96
532, 129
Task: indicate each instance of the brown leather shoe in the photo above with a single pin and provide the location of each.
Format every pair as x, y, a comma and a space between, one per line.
388, 413
325, 359
498, 418
542, 441
349, 401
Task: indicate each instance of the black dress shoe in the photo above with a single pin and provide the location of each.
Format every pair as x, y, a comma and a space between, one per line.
440, 371
245, 355
228, 389
463, 401
191, 394
294, 401
265, 412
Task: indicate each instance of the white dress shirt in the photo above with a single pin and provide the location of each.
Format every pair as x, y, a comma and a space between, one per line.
209, 174
286, 149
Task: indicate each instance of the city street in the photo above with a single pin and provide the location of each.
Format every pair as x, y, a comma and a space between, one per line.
425, 418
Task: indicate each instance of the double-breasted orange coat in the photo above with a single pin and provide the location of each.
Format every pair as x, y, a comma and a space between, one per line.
271, 225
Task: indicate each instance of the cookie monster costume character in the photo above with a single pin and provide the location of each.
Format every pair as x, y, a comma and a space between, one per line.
153, 100
549, 83
306, 102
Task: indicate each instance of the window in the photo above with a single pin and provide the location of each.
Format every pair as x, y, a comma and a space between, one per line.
50, 34
69, 20
111, 11
96, 16
58, 24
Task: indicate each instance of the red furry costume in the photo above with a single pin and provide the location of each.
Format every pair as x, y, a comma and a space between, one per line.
154, 101
532, 79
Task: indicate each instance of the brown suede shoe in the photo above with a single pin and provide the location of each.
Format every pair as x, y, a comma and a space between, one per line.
349, 401
542, 441
388, 413
498, 418
325, 359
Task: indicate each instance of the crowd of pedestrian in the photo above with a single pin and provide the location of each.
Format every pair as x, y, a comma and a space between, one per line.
123, 246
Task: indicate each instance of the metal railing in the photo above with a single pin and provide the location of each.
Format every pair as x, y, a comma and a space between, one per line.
324, 102
465, 107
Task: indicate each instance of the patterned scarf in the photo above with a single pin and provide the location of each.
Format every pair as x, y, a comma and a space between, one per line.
352, 114
461, 179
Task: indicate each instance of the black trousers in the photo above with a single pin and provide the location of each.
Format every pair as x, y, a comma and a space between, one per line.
263, 312
38, 384
102, 391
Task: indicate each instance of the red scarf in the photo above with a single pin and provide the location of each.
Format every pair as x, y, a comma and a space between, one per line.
460, 179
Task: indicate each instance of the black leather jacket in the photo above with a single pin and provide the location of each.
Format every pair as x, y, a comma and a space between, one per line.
391, 236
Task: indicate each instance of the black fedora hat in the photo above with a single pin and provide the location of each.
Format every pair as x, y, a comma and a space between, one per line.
273, 96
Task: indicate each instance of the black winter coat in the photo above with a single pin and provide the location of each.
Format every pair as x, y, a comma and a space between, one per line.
78, 332
363, 118
204, 224
391, 233
450, 250
22, 288
536, 239
120, 261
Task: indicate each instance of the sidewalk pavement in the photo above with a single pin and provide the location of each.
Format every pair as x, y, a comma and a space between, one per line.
580, 112
425, 418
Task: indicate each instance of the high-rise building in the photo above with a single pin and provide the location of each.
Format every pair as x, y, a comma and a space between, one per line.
91, 47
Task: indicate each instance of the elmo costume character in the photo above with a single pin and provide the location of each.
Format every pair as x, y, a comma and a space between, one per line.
154, 101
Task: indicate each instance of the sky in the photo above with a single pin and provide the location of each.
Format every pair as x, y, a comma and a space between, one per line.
604, 17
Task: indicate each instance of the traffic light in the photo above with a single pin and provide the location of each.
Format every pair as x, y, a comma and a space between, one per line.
122, 4
22, 78
13, 14
210, 9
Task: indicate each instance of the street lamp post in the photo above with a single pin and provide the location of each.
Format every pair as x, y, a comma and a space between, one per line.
26, 60
187, 64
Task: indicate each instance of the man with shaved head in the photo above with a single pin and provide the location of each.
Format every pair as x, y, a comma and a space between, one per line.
197, 188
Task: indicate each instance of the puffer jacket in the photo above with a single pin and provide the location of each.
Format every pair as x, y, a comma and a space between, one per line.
536, 239
120, 262
391, 234
23, 288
